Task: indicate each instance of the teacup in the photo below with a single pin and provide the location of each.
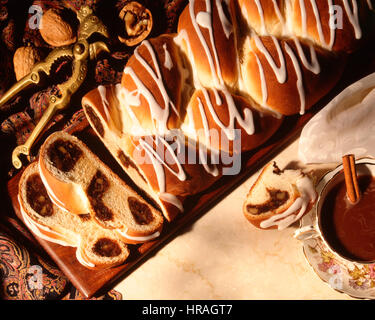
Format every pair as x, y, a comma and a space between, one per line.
326, 226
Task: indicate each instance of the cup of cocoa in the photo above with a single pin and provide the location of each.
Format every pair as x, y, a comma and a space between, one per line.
346, 228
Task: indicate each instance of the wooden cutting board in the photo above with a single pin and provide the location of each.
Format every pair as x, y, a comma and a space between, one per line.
91, 282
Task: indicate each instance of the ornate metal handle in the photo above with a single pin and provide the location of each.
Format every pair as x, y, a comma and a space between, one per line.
25, 149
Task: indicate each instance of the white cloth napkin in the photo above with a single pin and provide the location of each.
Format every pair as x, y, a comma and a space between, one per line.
346, 125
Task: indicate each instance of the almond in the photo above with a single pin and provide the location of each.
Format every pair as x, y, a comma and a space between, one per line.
24, 60
55, 30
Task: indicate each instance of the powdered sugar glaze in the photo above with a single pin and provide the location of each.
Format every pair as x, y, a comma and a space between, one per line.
160, 114
299, 58
307, 195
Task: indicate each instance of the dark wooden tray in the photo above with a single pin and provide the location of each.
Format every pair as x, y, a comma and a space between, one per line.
91, 282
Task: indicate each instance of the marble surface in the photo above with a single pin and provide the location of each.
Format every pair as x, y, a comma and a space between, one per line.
222, 256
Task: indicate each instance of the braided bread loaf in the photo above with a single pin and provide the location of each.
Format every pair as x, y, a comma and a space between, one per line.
221, 86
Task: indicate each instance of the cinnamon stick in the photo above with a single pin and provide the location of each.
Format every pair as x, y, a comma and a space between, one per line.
351, 181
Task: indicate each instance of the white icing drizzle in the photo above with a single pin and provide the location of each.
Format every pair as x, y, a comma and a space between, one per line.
203, 154
170, 198
261, 15
167, 58
103, 95
303, 17
319, 24
280, 72
278, 12
204, 19
138, 238
312, 66
263, 82
246, 123
180, 174
225, 23
179, 39
113, 120
158, 78
353, 17
127, 99
300, 87
159, 164
204, 121
189, 126
307, 193
213, 169
159, 114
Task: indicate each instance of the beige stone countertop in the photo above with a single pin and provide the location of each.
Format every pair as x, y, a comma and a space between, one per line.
222, 256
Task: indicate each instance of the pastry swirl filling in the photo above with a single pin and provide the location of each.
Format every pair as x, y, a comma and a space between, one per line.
64, 154
105, 247
95, 120
37, 196
140, 211
98, 186
276, 199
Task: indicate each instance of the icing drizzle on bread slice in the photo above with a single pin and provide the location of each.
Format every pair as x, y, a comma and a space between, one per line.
278, 198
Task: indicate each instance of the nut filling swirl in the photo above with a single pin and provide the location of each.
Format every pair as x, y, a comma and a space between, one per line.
140, 211
95, 120
105, 247
277, 199
127, 162
137, 21
64, 154
98, 186
37, 196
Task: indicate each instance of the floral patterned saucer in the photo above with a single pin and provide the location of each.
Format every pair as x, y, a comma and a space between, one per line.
354, 279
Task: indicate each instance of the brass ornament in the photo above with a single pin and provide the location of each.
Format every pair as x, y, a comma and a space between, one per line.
79, 53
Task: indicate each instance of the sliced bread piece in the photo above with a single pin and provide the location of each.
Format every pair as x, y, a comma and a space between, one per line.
278, 198
79, 182
97, 247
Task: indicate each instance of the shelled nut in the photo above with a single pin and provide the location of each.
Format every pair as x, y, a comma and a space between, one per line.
138, 23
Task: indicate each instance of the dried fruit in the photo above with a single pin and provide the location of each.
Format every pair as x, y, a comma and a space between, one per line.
138, 23
24, 60
55, 30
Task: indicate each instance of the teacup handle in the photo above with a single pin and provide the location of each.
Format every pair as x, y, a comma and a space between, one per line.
306, 233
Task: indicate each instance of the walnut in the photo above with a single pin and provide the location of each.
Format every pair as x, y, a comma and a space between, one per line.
253, 210
138, 23
281, 195
56, 30
24, 60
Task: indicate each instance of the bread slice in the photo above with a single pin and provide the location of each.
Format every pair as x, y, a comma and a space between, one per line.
278, 198
97, 247
80, 183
